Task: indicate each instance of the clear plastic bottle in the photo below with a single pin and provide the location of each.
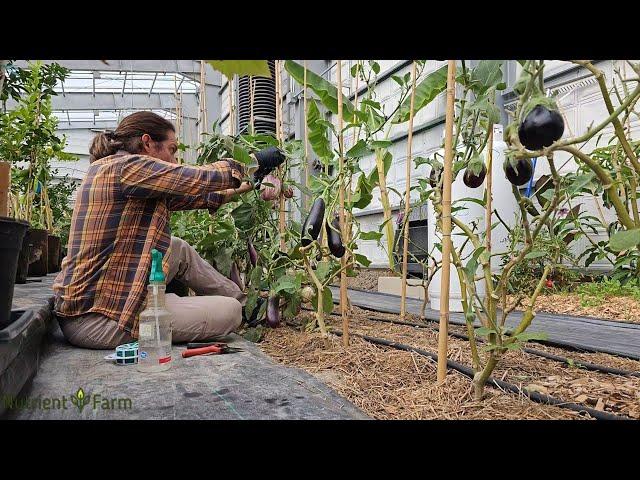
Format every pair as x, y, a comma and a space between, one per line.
154, 335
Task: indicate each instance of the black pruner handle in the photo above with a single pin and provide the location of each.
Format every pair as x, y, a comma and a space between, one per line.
191, 346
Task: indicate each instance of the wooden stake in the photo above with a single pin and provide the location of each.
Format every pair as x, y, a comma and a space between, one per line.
5, 187
306, 137
407, 196
489, 187
446, 224
356, 136
201, 119
279, 134
343, 229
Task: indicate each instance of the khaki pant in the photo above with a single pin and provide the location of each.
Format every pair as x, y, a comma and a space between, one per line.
217, 312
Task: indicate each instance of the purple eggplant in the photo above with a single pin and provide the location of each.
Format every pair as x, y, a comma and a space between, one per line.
273, 311
313, 223
234, 276
253, 254
333, 238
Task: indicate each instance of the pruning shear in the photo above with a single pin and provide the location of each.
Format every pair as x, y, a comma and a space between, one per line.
194, 349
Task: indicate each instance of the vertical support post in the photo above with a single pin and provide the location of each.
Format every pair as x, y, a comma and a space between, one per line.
343, 226
407, 196
446, 224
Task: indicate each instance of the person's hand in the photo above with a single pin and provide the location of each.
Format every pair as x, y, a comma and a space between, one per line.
268, 159
231, 193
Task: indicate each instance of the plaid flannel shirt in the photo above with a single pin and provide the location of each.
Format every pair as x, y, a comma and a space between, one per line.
121, 213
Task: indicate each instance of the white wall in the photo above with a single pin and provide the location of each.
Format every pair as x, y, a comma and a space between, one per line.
581, 107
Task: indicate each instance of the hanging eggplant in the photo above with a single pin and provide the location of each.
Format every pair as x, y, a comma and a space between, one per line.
540, 128
273, 311
521, 173
333, 238
313, 223
472, 180
234, 276
434, 176
253, 253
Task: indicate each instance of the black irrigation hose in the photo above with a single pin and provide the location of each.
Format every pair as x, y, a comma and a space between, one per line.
550, 343
586, 365
535, 396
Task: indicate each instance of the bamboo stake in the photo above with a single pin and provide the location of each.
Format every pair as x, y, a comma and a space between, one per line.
279, 134
356, 135
343, 229
407, 196
489, 187
201, 121
5, 187
446, 224
306, 138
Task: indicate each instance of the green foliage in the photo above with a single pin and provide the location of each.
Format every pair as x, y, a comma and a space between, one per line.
229, 68
593, 294
28, 140
526, 274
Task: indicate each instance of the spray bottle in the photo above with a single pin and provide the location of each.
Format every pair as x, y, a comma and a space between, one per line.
154, 341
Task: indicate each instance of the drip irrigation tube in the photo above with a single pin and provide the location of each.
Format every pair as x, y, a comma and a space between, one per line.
585, 365
535, 396
550, 343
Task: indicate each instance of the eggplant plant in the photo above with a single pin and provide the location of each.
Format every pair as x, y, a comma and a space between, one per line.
371, 124
556, 222
610, 172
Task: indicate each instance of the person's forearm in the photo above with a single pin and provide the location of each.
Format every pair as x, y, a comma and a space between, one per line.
147, 177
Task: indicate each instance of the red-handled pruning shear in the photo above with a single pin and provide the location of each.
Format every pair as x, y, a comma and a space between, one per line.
212, 349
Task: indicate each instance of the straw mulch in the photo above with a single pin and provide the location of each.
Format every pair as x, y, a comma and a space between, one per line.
392, 384
623, 309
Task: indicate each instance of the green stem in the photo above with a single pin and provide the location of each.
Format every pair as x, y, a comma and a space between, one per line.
607, 183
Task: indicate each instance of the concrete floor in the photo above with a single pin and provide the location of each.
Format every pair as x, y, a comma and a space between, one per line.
245, 385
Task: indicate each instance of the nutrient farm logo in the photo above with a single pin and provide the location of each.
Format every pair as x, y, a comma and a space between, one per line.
78, 400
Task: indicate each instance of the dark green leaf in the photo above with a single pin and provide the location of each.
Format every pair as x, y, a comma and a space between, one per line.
322, 270
229, 68
535, 254
370, 235
434, 84
318, 138
525, 337
360, 149
381, 143
326, 91
361, 259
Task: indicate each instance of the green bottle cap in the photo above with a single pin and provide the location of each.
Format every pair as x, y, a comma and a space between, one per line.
157, 275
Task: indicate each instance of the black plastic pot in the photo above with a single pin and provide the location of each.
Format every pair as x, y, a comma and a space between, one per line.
53, 243
40, 251
11, 235
24, 259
